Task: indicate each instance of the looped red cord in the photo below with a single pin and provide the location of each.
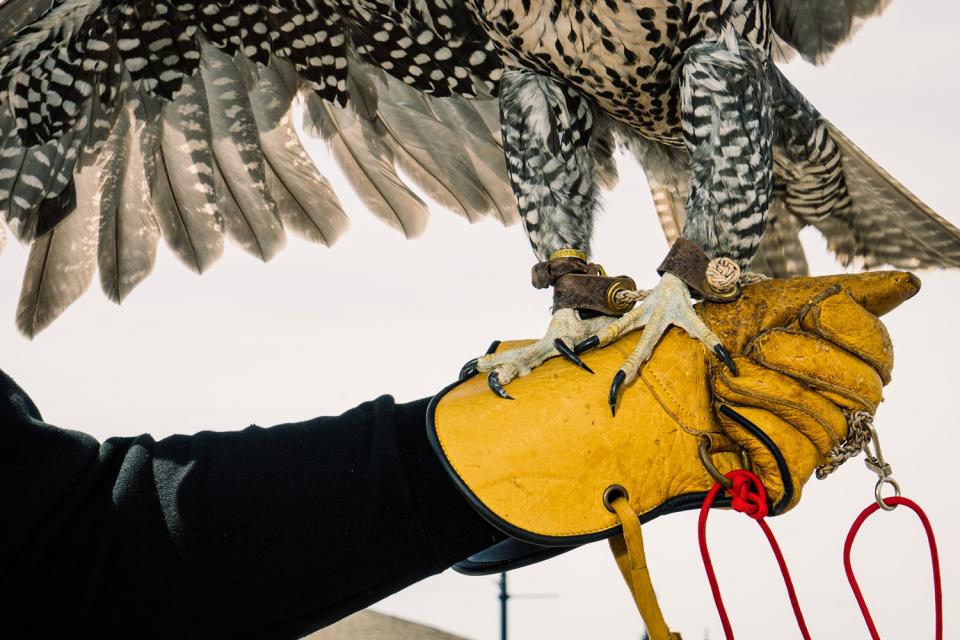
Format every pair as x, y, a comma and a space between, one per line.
934, 558
748, 496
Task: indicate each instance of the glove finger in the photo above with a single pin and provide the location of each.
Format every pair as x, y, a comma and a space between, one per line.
777, 303
809, 412
836, 316
842, 377
781, 456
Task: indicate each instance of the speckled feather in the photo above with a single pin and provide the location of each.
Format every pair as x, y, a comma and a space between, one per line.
688, 84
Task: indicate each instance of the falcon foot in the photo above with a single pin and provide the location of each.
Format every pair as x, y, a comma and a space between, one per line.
566, 329
668, 304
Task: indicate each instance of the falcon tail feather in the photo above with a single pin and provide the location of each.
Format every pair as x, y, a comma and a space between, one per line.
886, 224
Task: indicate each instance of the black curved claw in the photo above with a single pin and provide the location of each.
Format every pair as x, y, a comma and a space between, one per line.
469, 369
586, 345
569, 354
493, 381
615, 391
724, 355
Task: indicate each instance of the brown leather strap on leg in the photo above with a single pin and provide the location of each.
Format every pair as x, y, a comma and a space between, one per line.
628, 552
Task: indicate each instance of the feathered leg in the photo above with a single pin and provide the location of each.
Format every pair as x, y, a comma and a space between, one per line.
727, 131
727, 128
546, 130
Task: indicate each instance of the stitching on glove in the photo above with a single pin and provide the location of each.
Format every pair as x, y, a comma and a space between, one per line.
662, 388
814, 318
755, 353
835, 438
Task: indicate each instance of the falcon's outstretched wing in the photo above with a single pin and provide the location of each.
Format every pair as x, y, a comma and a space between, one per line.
152, 118
815, 28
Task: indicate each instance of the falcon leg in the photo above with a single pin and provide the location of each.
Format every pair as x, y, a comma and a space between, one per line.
565, 330
546, 129
728, 134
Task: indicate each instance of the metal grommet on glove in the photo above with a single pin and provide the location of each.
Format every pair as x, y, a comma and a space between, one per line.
613, 492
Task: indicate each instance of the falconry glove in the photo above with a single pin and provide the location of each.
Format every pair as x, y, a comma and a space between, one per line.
555, 469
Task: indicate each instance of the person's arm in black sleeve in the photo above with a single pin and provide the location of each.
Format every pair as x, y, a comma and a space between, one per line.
261, 533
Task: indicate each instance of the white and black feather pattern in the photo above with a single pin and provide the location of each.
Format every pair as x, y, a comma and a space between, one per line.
885, 224
182, 181
546, 128
866, 216
249, 211
177, 106
128, 229
306, 202
62, 263
207, 87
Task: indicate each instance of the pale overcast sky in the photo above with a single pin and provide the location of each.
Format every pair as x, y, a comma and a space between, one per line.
318, 331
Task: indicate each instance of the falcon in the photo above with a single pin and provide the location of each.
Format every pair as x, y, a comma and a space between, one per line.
126, 121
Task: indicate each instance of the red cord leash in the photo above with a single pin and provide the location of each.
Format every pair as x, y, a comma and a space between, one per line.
747, 496
934, 558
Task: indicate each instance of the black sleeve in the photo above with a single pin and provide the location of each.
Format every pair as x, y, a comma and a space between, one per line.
266, 533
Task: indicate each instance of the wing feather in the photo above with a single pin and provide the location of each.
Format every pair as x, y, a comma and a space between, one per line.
239, 159
780, 254
305, 200
433, 154
886, 224
369, 166
128, 231
61, 264
182, 182
181, 113
483, 147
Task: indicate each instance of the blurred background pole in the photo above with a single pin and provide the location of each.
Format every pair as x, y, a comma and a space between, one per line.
503, 605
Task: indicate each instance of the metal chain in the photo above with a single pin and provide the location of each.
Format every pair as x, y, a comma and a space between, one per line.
859, 434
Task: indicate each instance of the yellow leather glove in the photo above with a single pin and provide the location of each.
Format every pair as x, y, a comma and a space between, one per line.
810, 353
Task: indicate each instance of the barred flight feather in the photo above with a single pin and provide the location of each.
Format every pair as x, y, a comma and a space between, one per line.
305, 200
61, 264
888, 225
176, 111
181, 181
128, 229
369, 166
432, 153
249, 211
